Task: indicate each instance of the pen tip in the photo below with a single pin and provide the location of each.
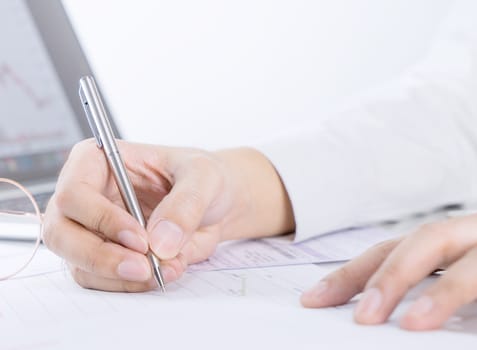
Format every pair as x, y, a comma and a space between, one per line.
159, 279
156, 271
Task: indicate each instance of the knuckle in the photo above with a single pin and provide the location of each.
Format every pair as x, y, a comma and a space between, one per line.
204, 163
81, 153
127, 287
209, 165
61, 199
440, 232
194, 252
133, 287
183, 261
93, 259
101, 221
201, 161
46, 230
48, 237
344, 274
385, 247
79, 276
430, 230
83, 147
348, 278
439, 235
203, 253
49, 233
190, 204
393, 274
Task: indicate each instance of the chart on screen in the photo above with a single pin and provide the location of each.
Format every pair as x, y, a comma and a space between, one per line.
33, 107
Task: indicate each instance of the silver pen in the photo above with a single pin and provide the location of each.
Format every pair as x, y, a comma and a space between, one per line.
103, 133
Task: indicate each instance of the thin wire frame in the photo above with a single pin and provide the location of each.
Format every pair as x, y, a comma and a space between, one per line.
38, 238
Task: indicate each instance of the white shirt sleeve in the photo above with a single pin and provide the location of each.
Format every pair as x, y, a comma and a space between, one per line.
411, 147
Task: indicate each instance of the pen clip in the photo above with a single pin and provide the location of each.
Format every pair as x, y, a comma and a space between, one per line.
89, 117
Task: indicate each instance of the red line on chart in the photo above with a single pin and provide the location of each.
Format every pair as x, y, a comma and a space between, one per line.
8, 73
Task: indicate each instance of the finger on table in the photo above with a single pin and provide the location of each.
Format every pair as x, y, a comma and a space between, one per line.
455, 288
341, 285
430, 247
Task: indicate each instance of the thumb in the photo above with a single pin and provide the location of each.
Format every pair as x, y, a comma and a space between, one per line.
179, 215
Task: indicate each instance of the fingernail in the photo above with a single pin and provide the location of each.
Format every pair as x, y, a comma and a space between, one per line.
166, 239
421, 307
316, 292
134, 270
168, 273
369, 303
132, 240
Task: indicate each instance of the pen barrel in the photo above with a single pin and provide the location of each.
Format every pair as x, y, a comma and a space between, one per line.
102, 131
125, 187
132, 204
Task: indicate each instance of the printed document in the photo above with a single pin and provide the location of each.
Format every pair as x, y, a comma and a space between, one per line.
233, 308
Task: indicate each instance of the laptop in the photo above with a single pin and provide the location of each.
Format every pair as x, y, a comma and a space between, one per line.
41, 116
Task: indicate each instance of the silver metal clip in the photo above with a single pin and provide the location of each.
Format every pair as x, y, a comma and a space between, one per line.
89, 117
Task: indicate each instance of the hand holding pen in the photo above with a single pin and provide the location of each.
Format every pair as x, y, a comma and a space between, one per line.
191, 200
105, 140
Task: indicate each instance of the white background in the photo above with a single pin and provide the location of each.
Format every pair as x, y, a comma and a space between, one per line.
213, 73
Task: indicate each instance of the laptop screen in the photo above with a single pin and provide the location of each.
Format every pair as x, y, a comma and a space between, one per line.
37, 123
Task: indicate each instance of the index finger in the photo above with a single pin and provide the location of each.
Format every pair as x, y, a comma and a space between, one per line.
98, 214
341, 285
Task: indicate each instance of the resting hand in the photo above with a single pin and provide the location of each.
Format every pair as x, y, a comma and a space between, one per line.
387, 271
191, 200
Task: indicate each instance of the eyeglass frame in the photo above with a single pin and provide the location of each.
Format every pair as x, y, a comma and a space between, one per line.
37, 213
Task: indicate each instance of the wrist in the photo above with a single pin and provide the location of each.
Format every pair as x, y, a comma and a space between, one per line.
261, 206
